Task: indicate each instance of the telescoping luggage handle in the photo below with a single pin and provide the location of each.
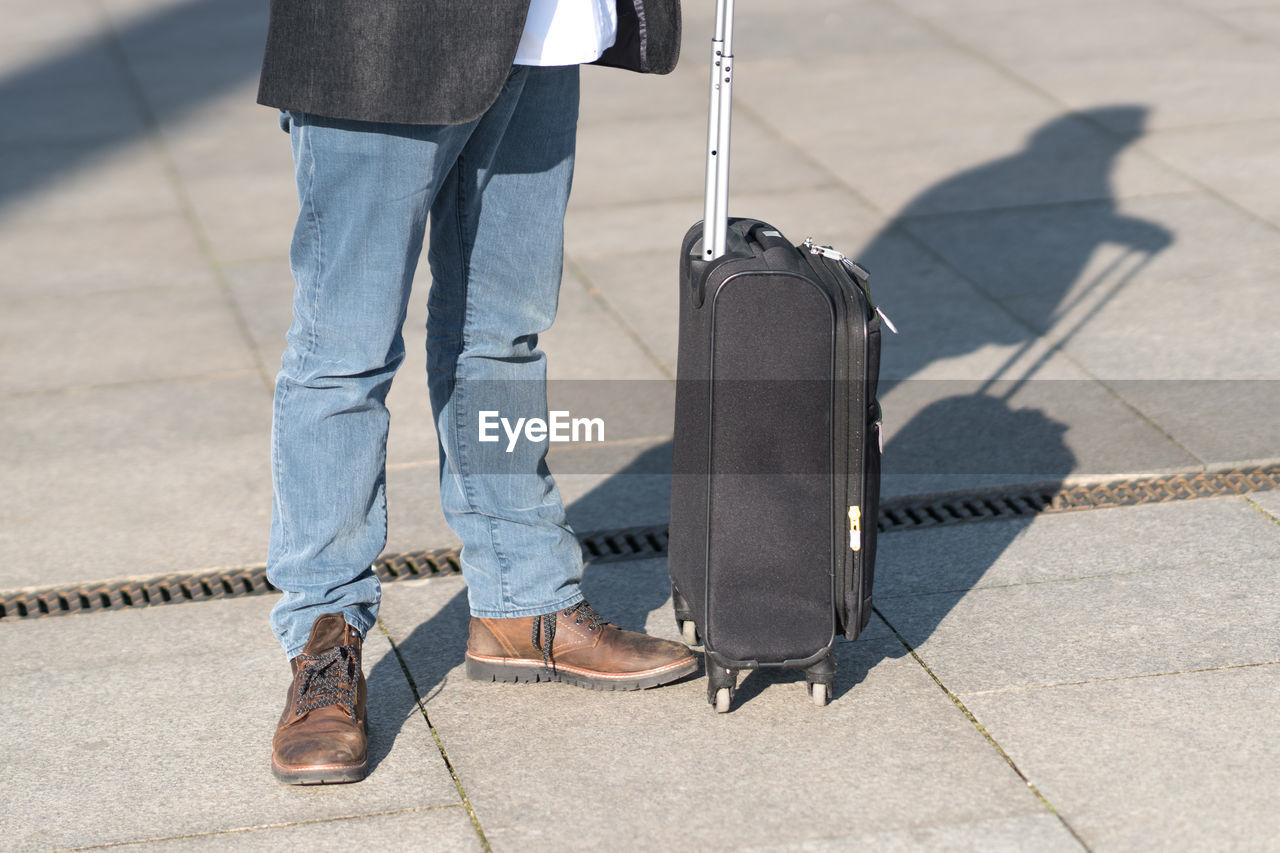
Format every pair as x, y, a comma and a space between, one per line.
715, 220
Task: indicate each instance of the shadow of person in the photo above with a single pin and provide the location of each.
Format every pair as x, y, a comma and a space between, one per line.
80, 101
1021, 228
1028, 266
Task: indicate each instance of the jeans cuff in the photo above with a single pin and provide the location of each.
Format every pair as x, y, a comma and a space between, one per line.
529, 611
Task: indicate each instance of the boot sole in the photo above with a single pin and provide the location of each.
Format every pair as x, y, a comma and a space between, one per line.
322, 774
511, 671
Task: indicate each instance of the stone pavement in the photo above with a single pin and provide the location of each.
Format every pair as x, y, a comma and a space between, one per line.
1071, 209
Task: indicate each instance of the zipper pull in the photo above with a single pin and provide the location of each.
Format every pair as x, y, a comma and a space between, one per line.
825, 251
855, 528
857, 271
887, 322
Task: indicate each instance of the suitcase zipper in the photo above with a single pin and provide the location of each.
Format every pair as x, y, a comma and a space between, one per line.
855, 528
858, 272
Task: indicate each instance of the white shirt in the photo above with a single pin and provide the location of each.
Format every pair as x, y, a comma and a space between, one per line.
567, 32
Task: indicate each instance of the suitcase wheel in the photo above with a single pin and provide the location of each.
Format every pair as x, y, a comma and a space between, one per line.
721, 683
819, 677
688, 632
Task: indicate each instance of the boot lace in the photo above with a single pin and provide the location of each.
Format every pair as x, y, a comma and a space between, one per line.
328, 679
544, 628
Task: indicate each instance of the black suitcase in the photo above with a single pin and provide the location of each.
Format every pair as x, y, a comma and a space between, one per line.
776, 463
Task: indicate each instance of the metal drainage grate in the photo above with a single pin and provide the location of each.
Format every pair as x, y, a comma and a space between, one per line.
643, 542
957, 508
602, 547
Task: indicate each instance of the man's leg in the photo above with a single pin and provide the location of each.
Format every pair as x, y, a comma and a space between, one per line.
497, 231
364, 192
496, 255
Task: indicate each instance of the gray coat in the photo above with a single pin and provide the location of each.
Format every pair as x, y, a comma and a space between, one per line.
425, 61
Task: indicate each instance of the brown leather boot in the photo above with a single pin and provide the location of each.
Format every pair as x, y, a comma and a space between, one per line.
576, 646
321, 736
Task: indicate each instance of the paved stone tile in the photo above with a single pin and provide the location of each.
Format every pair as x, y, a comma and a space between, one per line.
43, 83
164, 33
1269, 501
157, 723
227, 137
999, 835
414, 519
1263, 22
623, 485
950, 435
1085, 32
124, 336
610, 95
246, 218
1181, 762
185, 54
610, 236
1074, 271
915, 759
588, 342
134, 480
31, 21
998, 554
263, 292
665, 158
1236, 160
95, 256
442, 828
944, 429
124, 12
74, 182
1167, 614
642, 289
963, 138
948, 328
1154, 53
620, 484
1223, 422
822, 31
942, 10
236, 167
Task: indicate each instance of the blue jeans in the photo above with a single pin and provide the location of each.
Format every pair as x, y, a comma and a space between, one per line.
496, 190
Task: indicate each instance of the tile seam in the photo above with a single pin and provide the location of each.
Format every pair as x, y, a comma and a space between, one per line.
967, 590
1260, 508
154, 136
435, 735
982, 730
1026, 83
68, 390
597, 295
1137, 677
257, 828
1224, 25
